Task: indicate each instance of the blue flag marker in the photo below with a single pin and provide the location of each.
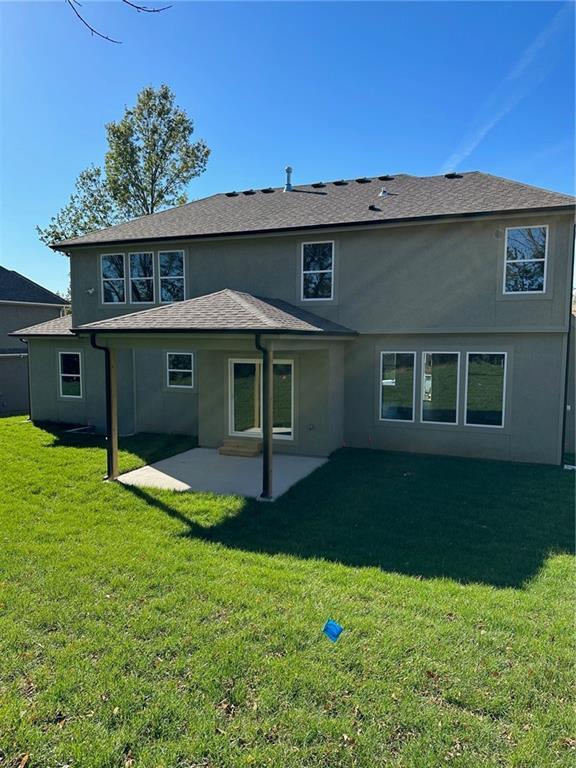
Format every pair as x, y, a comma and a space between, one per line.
332, 630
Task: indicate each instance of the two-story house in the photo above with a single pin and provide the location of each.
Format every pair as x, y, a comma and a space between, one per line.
22, 302
399, 312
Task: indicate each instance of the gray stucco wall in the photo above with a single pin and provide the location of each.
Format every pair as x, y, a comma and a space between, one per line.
336, 393
144, 402
13, 317
14, 370
570, 436
418, 278
533, 402
13, 384
318, 416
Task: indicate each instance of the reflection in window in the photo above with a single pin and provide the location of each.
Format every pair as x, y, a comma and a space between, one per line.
142, 278
397, 386
246, 399
317, 270
113, 278
171, 266
525, 264
440, 387
485, 389
179, 369
70, 374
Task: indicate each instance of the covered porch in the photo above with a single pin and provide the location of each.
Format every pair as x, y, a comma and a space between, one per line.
266, 383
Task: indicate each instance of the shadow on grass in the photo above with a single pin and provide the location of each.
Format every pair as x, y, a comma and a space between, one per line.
147, 446
429, 516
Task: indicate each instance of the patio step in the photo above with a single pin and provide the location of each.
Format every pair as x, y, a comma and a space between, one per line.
234, 447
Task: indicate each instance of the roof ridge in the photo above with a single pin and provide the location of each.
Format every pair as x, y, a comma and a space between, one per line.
63, 302
524, 184
238, 296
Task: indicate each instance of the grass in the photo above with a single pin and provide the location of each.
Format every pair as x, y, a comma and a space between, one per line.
150, 629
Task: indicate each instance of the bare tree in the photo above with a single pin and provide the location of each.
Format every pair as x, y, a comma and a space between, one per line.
76, 5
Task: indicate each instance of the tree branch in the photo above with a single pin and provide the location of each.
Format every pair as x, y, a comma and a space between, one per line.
72, 4
144, 9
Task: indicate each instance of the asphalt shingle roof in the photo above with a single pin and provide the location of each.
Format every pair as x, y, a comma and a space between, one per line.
355, 201
16, 287
60, 326
222, 311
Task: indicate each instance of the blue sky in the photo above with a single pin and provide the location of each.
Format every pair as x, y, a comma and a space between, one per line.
334, 89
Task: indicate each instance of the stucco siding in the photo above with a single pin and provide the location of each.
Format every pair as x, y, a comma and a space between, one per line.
534, 387
13, 384
157, 407
318, 417
570, 416
443, 277
13, 317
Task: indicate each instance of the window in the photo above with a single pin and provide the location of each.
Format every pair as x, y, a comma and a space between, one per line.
246, 399
70, 374
525, 263
485, 388
179, 369
397, 386
142, 278
440, 387
317, 271
113, 278
171, 269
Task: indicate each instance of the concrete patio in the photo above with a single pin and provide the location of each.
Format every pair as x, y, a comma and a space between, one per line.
204, 469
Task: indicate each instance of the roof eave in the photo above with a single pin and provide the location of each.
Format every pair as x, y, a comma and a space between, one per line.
201, 331
63, 246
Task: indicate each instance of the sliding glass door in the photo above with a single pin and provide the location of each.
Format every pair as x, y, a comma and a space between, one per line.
246, 399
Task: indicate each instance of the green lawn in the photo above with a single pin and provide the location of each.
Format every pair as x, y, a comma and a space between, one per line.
154, 629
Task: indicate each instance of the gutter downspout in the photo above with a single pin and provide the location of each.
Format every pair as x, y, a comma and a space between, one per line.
567, 354
267, 432
111, 432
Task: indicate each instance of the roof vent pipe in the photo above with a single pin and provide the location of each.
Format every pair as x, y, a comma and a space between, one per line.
288, 185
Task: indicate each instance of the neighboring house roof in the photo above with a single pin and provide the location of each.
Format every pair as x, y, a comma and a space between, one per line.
60, 326
337, 203
223, 311
16, 287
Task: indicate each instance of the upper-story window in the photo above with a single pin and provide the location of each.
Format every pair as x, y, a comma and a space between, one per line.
141, 278
113, 278
171, 269
525, 262
317, 271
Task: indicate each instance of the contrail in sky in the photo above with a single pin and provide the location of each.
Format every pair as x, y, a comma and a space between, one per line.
511, 91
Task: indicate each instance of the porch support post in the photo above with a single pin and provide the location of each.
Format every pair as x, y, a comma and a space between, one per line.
267, 419
111, 408
112, 414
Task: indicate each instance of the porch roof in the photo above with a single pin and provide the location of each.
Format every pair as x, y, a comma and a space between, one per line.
225, 311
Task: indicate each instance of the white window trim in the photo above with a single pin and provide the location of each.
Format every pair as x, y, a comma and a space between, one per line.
422, 383
231, 432
112, 279
317, 271
183, 278
380, 385
169, 370
526, 261
60, 374
153, 279
486, 426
